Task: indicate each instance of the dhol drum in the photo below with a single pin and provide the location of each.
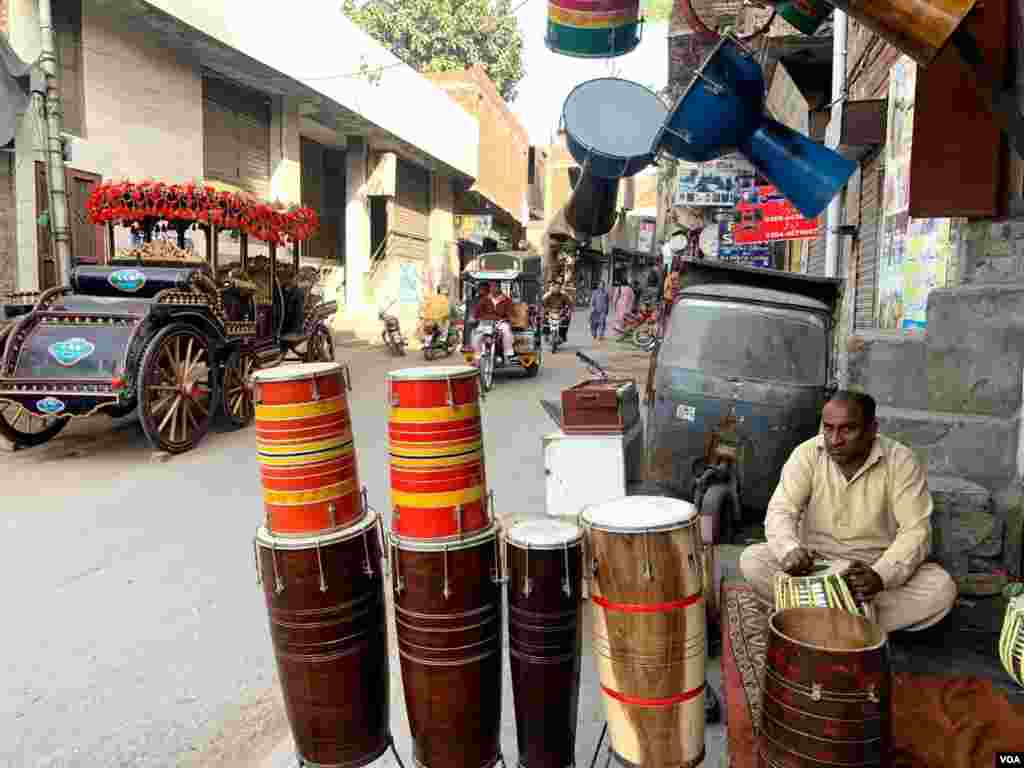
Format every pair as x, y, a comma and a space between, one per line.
306, 451
827, 691
649, 627
1011, 639
825, 587
448, 617
545, 576
325, 600
592, 29
438, 480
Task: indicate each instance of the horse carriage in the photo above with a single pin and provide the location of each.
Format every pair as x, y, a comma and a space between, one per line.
158, 330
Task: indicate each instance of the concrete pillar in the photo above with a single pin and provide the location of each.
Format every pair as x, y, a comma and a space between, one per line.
357, 223
285, 152
23, 35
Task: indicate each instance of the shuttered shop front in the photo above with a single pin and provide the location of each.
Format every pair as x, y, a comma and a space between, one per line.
409, 228
236, 136
872, 180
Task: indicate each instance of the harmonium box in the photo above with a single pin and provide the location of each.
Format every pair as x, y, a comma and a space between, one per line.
600, 407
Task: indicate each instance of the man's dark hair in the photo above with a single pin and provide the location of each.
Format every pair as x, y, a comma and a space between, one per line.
864, 401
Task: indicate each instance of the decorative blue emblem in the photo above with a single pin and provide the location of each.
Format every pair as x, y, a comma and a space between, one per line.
70, 352
127, 280
50, 406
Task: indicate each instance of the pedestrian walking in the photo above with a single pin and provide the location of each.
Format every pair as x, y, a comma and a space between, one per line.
598, 311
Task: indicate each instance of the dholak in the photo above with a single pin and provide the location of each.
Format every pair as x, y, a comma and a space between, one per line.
438, 481
612, 122
325, 600
593, 28
448, 617
306, 453
825, 587
649, 627
827, 688
545, 571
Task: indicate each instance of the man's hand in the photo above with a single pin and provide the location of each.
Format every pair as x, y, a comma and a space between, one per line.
799, 562
863, 581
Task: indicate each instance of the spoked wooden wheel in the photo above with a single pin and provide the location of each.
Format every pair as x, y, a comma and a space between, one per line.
26, 429
177, 394
236, 397
320, 347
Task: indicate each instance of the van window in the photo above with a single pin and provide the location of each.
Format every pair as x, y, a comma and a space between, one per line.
723, 338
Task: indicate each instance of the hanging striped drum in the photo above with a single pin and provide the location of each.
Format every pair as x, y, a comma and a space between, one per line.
438, 483
306, 453
1011, 639
590, 29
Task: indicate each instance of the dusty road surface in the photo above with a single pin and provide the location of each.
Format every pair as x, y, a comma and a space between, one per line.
134, 631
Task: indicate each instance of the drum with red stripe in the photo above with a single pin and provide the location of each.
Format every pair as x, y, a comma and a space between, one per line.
305, 448
649, 627
438, 482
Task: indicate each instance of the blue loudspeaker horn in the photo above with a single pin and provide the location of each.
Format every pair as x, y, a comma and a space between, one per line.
591, 210
807, 173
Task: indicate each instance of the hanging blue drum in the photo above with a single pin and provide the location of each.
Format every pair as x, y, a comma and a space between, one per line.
612, 123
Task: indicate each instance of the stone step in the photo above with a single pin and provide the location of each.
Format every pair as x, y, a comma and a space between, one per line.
967, 534
891, 367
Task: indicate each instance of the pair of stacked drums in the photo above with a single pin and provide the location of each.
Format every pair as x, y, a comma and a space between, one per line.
449, 564
319, 560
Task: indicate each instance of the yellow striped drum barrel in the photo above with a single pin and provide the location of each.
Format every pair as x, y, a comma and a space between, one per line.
1011, 639
306, 452
825, 588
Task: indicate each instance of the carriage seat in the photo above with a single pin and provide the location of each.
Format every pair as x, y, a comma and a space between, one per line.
519, 316
293, 329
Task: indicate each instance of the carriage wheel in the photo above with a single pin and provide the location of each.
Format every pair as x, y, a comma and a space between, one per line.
25, 429
236, 397
177, 394
320, 347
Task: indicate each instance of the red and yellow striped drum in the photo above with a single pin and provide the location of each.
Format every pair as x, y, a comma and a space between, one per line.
438, 482
306, 452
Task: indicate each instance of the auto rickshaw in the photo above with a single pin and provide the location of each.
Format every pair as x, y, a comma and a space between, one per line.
738, 381
518, 274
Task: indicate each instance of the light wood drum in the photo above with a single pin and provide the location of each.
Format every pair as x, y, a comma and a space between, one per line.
649, 627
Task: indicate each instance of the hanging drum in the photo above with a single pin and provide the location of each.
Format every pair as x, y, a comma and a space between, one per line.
827, 691
722, 110
805, 15
438, 482
649, 627
448, 623
305, 448
325, 600
545, 568
593, 29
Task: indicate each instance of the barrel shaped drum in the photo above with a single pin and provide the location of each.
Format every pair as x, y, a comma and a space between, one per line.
545, 576
649, 627
827, 691
593, 28
325, 601
306, 451
438, 481
448, 617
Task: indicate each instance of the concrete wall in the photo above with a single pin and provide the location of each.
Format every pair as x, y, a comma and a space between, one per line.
8, 225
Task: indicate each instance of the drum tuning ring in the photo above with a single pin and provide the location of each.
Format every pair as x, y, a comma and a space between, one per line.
320, 565
316, 390
367, 565
447, 592
259, 570
872, 694
399, 581
816, 691
716, 89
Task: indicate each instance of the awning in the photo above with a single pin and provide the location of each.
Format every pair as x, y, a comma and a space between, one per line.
17, 81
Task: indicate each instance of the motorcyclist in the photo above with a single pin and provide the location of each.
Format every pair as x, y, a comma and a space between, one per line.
436, 315
494, 305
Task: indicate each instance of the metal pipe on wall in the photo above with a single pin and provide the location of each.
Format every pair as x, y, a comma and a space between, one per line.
835, 211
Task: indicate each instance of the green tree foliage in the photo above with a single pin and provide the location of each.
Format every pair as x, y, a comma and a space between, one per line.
657, 11
445, 35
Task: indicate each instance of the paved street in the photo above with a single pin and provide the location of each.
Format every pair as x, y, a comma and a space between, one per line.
135, 633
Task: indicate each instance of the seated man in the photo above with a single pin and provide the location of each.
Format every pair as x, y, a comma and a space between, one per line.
494, 305
852, 494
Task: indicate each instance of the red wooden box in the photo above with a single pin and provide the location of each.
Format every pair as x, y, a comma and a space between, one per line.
600, 407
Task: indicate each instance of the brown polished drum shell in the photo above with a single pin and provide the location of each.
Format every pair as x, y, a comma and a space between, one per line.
545, 637
827, 691
325, 600
450, 648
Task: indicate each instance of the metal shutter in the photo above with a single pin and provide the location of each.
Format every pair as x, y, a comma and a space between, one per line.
409, 227
67, 27
872, 181
312, 157
236, 136
816, 249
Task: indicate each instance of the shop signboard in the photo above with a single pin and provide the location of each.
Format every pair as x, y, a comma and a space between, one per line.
751, 255
764, 215
474, 228
716, 183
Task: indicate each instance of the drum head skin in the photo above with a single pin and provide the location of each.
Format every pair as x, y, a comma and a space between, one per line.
543, 534
640, 514
614, 117
297, 372
433, 373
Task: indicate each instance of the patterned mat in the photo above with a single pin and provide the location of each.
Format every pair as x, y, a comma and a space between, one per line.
744, 634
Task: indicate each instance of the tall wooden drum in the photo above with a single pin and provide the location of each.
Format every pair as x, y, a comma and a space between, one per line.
438, 482
325, 600
649, 627
827, 691
545, 577
448, 616
306, 452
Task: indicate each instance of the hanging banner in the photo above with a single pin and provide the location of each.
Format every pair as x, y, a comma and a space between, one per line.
764, 215
717, 183
758, 255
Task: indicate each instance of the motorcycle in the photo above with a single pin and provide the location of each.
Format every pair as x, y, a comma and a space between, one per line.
553, 329
392, 333
437, 342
